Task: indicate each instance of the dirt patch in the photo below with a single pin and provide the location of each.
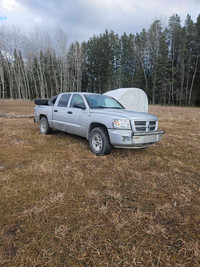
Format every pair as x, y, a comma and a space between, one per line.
3, 115
2, 168
9, 240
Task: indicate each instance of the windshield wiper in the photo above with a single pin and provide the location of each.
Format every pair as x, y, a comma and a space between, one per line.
99, 107
106, 107
116, 107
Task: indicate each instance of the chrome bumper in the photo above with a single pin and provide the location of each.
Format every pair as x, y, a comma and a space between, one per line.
159, 132
128, 139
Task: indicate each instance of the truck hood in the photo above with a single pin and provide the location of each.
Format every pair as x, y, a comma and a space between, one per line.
123, 113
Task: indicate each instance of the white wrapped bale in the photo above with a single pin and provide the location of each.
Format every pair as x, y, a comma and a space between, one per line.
131, 98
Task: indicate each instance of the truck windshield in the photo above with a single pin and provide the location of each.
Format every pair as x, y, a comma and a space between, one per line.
102, 101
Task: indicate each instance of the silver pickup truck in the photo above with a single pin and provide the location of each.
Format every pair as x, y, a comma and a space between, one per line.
99, 118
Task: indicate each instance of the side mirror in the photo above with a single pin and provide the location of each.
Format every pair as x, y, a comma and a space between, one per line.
79, 105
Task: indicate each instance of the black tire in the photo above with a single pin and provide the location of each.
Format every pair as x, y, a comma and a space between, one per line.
99, 141
44, 126
40, 101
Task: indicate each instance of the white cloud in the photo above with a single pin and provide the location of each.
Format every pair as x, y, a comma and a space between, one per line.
19, 15
11, 6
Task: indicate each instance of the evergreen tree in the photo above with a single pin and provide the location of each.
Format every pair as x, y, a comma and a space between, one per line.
197, 81
127, 60
141, 61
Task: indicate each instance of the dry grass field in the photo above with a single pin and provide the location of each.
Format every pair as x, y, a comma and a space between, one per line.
60, 205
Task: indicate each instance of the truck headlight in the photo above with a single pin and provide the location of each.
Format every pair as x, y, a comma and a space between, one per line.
121, 124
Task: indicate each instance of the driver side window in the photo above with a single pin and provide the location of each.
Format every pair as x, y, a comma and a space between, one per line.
77, 100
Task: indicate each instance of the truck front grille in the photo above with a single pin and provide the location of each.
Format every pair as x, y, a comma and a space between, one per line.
152, 125
144, 126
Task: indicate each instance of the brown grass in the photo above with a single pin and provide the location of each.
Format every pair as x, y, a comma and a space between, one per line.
60, 205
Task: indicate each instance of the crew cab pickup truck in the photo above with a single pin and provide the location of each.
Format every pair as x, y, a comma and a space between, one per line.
99, 118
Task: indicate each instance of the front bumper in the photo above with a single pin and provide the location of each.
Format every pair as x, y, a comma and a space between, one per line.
128, 139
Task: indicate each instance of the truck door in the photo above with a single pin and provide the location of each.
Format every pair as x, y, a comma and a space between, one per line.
78, 115
60, 115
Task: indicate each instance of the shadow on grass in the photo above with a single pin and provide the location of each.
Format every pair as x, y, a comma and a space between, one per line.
123, 152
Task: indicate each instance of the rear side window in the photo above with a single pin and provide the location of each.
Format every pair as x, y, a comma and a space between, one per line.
64, 100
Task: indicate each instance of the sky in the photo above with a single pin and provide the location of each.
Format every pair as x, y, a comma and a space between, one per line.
81, 19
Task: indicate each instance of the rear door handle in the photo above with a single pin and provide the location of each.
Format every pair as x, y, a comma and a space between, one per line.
69, 112
55, 110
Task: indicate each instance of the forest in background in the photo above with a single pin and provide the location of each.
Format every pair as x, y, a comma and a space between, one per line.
163, 60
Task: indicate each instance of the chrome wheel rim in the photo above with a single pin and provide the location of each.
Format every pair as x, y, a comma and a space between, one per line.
97, 142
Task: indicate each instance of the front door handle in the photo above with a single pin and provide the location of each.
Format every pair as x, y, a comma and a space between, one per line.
69, 112
55, 110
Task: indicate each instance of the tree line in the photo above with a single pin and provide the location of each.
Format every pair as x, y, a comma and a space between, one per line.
161, 60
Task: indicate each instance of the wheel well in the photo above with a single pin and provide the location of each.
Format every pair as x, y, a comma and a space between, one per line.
42, 115
94, 125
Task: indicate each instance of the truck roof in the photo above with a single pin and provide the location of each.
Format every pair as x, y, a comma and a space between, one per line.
81, 93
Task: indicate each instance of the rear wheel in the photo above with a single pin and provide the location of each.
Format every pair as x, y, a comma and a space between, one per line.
99, 141
44, 126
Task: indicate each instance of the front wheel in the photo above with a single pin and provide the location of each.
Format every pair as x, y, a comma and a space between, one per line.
44, 126
99, 141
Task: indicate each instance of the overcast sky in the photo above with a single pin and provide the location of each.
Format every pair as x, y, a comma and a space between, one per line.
81, 19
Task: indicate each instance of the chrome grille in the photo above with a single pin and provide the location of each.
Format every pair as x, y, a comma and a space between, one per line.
144, 126
140, 123
140, 129
152, 125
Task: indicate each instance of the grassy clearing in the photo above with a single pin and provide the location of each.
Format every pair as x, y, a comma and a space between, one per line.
61, 205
